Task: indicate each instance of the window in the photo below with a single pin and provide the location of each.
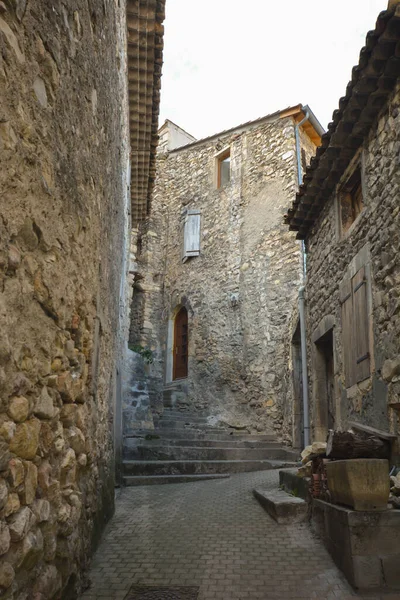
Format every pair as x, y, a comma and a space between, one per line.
351, 199
191, 234
224, 168
355, 328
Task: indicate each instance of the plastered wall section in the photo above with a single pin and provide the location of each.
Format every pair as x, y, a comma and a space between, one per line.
373, 240
240, 291
64, 244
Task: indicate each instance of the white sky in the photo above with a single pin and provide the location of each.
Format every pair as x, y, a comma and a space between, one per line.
230, 61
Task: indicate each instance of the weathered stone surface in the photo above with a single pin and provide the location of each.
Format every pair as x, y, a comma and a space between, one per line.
20, 523
63, 320
3, 493
49, 542
68, 414
48, 582
76, 440
41, 510
239, 292
371, 243
7, 575
40, 91
395, 484
281, 506
12, 505
32, 548
391, 368
17, 472
5, 538
30, 483
4, 455
361, 483
18, 408
364, 545
12, 40
44, 408
305, 470
7, 430
68, 468
315, 449
26, 439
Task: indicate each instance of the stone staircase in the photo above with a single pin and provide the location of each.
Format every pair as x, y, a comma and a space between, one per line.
184, 447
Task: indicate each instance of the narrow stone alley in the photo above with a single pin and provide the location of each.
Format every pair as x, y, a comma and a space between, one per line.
214, 536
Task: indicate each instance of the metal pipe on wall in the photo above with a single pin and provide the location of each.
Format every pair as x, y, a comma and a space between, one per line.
306, 421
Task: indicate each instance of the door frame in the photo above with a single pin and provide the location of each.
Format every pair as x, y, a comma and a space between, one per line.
325, 329
169, 361
174, 365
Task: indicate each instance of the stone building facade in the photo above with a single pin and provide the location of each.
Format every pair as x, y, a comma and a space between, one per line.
64, 248
237, 280
348, 213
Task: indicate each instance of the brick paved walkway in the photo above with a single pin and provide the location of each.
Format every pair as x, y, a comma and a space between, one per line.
215, 535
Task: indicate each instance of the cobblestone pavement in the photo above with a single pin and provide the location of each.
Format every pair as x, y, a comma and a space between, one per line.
215, 535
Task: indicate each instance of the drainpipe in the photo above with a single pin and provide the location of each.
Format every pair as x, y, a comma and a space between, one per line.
306, 422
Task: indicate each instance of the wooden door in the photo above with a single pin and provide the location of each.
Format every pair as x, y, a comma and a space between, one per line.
181, 344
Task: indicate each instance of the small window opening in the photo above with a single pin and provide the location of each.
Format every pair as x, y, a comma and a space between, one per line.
351, 200
224, 168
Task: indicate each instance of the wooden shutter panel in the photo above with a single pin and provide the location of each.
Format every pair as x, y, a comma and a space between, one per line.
360, 309
346, 299
191, 234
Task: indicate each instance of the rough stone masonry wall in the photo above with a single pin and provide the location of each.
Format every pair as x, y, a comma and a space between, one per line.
240, 291
328, 258
63, 246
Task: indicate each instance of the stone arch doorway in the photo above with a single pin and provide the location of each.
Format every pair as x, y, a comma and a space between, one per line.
180, 345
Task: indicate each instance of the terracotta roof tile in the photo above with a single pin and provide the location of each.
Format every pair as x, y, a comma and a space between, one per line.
145, 57
373, 79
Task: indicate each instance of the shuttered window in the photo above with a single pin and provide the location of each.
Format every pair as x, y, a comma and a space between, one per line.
355, 328
191, 234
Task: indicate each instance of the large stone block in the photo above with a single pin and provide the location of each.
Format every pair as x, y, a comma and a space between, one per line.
361, 483
282, 507
364, 545
26, 439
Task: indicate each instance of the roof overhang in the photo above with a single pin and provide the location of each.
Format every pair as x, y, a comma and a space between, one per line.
373, 80
145, 58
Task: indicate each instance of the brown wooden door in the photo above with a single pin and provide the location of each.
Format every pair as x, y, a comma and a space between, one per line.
181, 344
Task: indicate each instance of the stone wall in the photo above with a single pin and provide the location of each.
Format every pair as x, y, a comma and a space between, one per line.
373, 240
64, 234
240, 291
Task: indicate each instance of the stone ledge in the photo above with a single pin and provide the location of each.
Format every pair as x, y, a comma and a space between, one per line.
291, 482
364, 545
281, 506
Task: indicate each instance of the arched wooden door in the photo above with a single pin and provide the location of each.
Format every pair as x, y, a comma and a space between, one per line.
181, 344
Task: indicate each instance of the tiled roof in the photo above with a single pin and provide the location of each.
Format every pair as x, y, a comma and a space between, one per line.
373, 79
315, 128
145, 57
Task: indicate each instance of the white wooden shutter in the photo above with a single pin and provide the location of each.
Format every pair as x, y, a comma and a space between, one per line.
191, 234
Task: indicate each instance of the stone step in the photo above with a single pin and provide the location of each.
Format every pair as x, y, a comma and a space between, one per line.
188, 421
189, 467
164, 479
181, 424
203, 443
281, 506
188, 417
162, 452
176, 434
291, 483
